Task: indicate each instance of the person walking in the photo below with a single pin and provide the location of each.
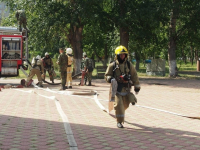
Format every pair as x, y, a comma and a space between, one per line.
62, 63
122, 76
88, 67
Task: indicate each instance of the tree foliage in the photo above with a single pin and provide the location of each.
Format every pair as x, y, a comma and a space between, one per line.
98, 26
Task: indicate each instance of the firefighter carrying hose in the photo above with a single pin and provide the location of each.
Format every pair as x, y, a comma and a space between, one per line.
48, 66
69, 68
37, 69
122, 76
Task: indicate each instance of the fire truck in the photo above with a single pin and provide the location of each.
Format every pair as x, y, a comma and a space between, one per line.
13, 51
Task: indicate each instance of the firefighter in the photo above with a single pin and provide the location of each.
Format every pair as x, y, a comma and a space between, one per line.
123, 74
48, 66
62, 62
88, 67
21, 18
69, 68
37, 69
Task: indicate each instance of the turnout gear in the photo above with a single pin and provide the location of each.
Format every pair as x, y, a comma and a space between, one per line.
21, 18
126, 76
37, 69
48, 67
89, 68
69, 68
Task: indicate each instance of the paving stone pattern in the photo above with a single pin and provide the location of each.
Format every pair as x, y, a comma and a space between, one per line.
29, 121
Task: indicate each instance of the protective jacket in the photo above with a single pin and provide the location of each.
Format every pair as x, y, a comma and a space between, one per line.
70, 60
47, 62
89, 64
125, 76
120, 69
37, 64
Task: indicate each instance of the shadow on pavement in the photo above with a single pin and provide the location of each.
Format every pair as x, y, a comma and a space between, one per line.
29, 133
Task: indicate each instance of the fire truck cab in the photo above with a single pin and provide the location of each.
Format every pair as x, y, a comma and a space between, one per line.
12, 54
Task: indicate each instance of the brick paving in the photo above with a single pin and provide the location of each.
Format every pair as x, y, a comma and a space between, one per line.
29, 121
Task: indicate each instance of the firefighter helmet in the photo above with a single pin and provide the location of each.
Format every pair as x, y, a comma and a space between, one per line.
38, 57
84, 54
121, 50
46, 53
69, 51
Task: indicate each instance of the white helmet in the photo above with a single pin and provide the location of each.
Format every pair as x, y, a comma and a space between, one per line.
46, 54
38, 57
69, 51
84, 54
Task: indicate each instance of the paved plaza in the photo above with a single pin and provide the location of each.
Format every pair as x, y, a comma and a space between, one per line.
37, 119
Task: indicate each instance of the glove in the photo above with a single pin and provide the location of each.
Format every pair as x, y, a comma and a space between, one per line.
109, 79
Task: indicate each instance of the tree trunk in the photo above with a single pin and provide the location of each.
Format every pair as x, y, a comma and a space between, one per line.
124, 32
192, 55
137, 57
124, 37
75, 39
106, 55
183, 55
172, 40
196, 54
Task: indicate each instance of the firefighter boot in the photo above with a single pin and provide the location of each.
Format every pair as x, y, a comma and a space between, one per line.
119, 125
89, 83
40, 84
62, 88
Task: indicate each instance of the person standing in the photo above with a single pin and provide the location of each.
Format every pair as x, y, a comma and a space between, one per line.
123, 74
82, 68
69, 68
62, 63
48, 66
37, 69
88, 67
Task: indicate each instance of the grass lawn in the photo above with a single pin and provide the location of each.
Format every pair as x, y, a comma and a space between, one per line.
141, 72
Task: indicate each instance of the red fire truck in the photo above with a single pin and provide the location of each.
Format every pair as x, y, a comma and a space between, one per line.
13, 51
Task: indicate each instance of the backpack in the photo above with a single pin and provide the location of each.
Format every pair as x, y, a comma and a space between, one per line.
90, 65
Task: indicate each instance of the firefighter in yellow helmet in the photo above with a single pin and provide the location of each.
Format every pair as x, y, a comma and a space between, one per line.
69, 68
122, 76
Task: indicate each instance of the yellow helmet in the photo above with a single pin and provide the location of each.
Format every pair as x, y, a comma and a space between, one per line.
121, 50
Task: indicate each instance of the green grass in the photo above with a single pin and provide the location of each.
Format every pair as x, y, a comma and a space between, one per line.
141, 72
